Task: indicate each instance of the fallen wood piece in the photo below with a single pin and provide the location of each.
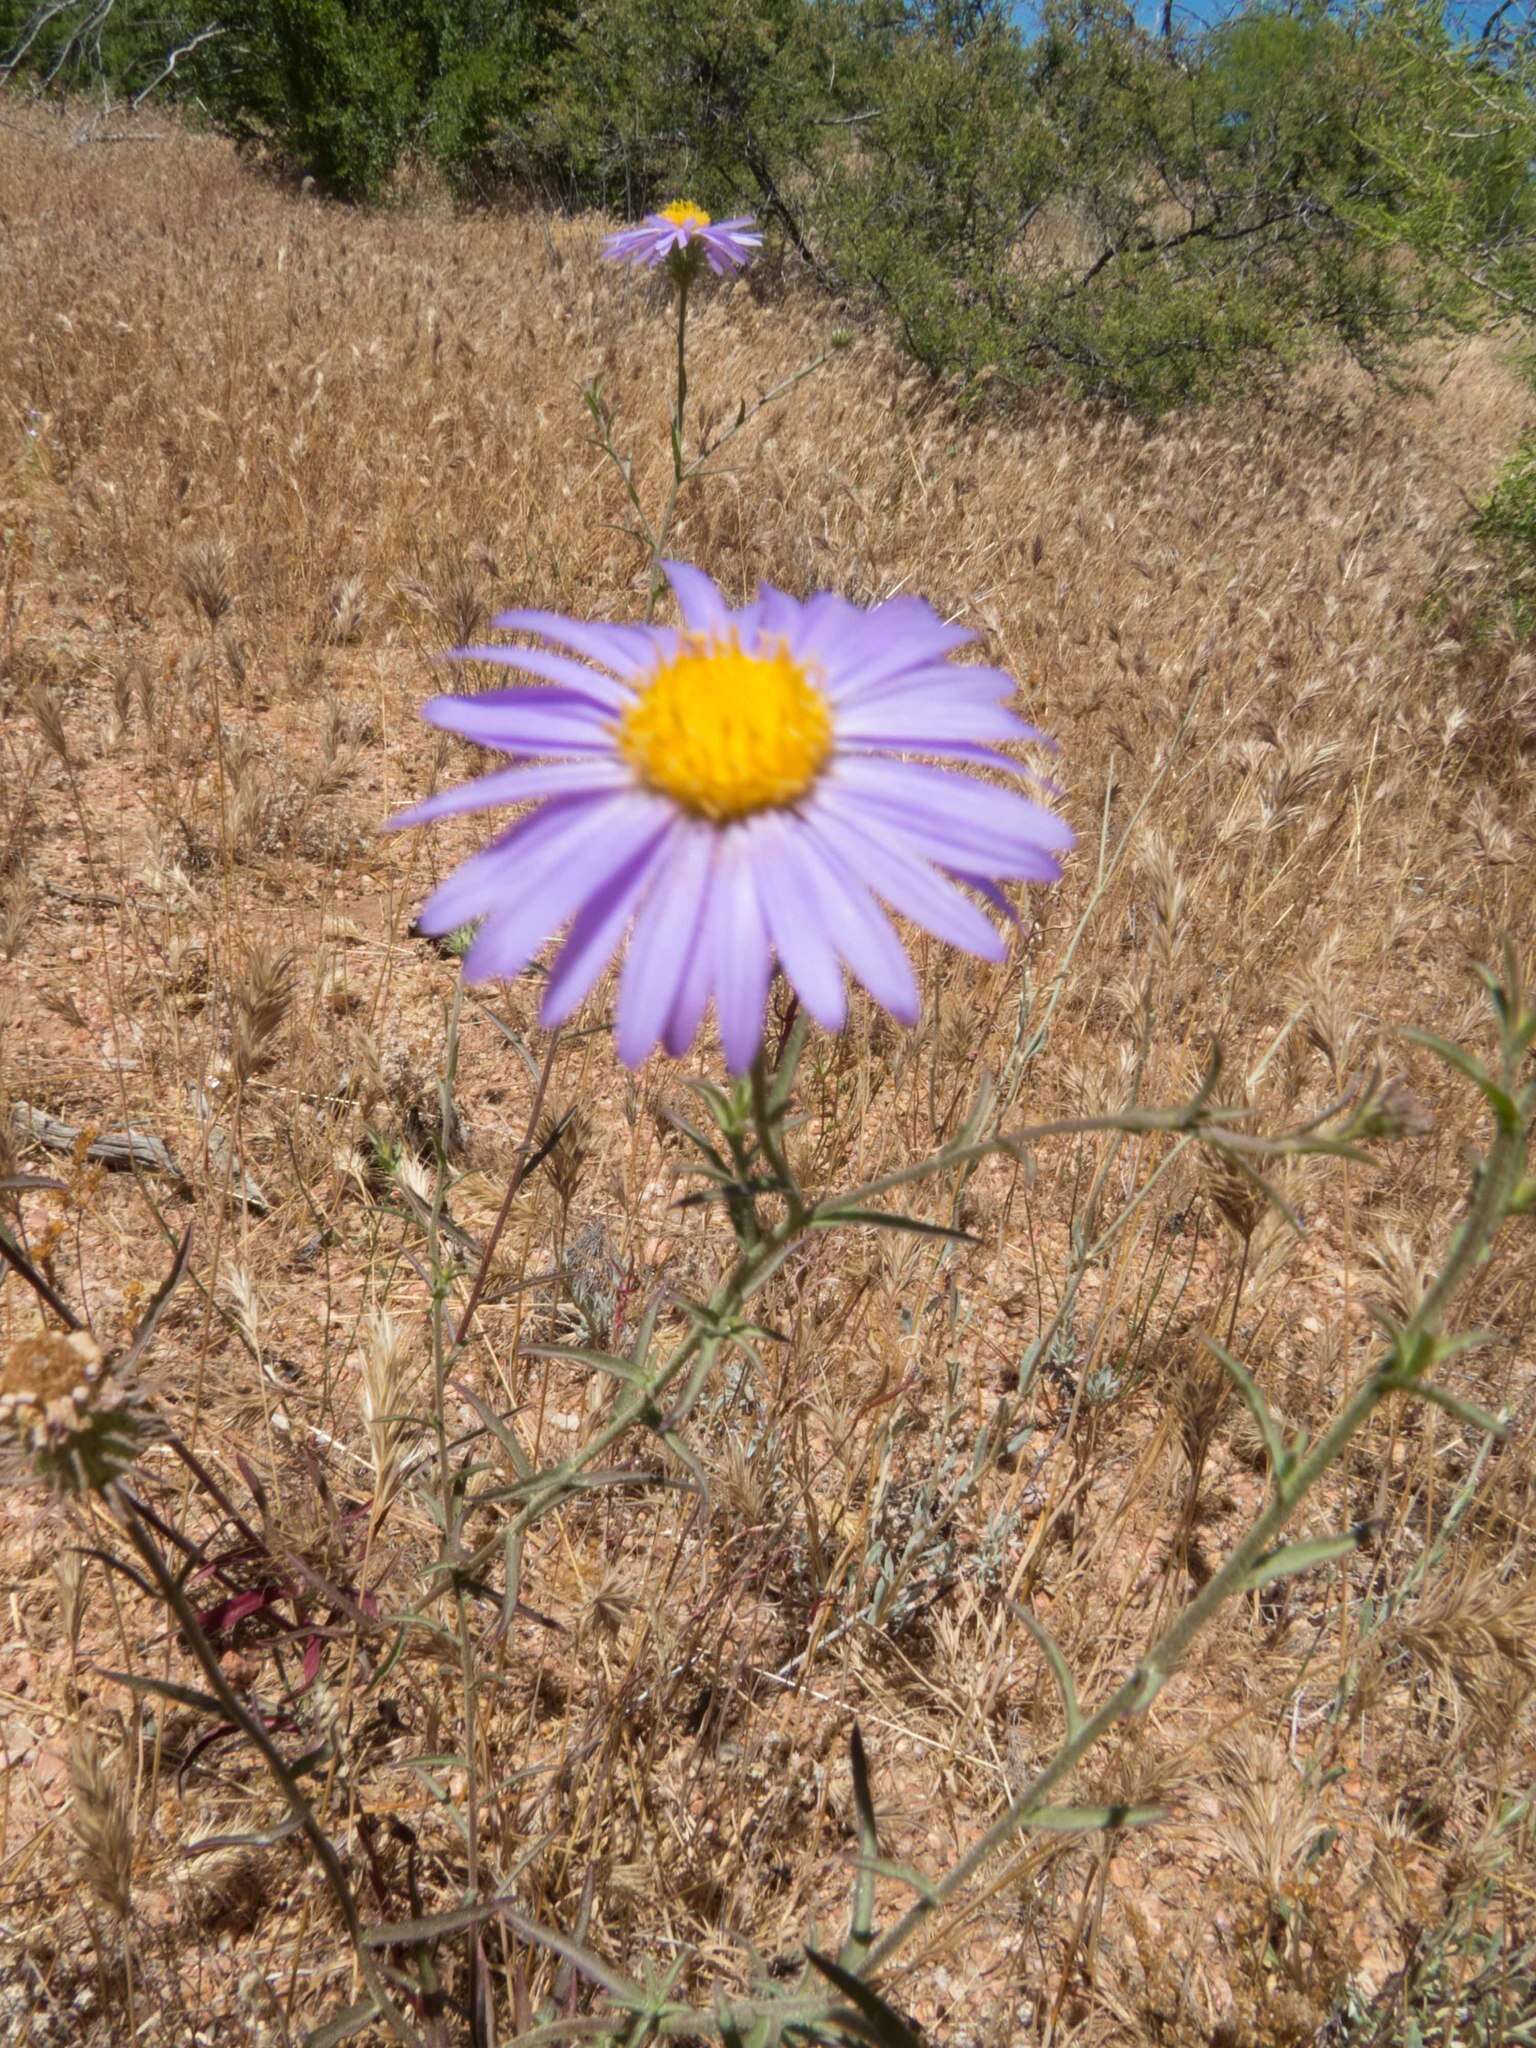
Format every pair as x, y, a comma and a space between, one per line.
125, 1151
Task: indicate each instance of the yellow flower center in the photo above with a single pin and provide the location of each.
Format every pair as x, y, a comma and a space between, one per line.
684, 214
724, 733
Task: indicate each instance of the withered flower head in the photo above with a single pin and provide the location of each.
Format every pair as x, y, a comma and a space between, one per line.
64, 1419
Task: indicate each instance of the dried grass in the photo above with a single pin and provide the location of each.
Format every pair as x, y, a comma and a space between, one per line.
261, 460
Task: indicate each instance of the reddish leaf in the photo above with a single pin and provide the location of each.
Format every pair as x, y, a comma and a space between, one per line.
227, 1614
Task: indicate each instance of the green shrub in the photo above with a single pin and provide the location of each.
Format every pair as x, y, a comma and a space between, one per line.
343, 90
346, 89
1158, 228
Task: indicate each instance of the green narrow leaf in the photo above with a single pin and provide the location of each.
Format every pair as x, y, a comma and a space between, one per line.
1059, 1668
1085, 1820
592, 1967
268, 1838
599, 1361
784, 1079
183, 1695
883, 2025
714, 1098
891, 1219
574, 1482
514, 1578
645, 1332
679, 1449
344, 2026
432, 1926
904, 1873
1466, 1340
1301, 1557
763, 2031
1502, 1104
140, 1341
1257, 1406
861, 1925
697, 1139
503, 1432
1453, 1404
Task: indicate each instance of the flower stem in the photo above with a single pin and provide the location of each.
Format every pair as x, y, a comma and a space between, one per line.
1498, 1175
682, 374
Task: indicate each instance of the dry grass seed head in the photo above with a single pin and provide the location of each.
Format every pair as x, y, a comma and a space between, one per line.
101, 1821
1235, 1195
385, 1395
68, 1568
570, 1146
1474, 1632
1202, 1397
1168, 900
460, 600
261, 1002
204, 577
48, 716
1269, 1819
346, 612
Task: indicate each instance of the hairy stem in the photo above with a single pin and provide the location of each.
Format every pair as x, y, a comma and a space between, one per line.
1497, 1179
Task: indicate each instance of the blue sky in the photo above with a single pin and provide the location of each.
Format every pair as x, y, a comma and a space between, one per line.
1466, 14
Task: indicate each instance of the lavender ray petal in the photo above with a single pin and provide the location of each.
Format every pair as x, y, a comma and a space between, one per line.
901, 634
934, 684
531, 721
990, 891
624, 649
742, 957
911, 889
704, 610
967, 813
573, 678
539, 892
795, 921
914, 724
951, 750
547, 857
865, 936
597, 929
516, 786
665, 934
693, 990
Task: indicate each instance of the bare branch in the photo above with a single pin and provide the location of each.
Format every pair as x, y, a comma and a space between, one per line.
34, 29
204, 35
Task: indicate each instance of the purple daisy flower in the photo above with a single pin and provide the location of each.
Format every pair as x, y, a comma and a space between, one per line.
682, 232
733, 791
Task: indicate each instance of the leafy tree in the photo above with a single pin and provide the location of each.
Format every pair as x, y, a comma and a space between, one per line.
347, 88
